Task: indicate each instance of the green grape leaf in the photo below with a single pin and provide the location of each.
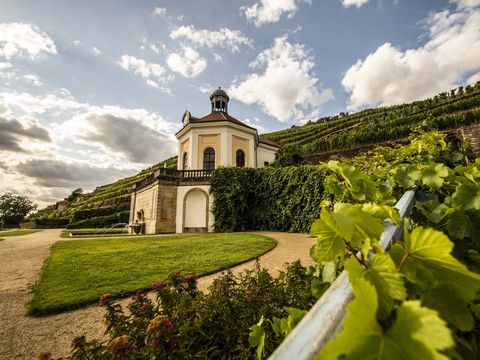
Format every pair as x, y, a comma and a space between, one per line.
256, 338
434, 211
433, 175
330, 244
383, 275
318, 287
466, 197
417, 333
406, 176
451, 307
349, 223
459, 225
360, 185
427, 261
471, 172
329, 272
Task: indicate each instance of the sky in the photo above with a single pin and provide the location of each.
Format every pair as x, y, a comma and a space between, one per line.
94, 91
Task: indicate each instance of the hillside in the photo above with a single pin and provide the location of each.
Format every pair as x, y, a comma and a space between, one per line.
110, 203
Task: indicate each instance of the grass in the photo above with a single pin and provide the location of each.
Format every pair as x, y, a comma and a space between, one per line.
17, 232
66, 233
78, 272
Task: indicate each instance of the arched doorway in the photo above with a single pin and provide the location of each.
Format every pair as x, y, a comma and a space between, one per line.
195, 211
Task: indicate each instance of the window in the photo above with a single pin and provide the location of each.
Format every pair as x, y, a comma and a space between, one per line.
185, 161
240, 158
209, 159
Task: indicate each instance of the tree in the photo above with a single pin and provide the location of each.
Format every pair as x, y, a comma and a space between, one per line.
14, 208
75, 194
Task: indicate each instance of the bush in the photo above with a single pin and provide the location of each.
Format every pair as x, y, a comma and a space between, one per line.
49, 223
101, 221
97, 212
278, 199
186, 323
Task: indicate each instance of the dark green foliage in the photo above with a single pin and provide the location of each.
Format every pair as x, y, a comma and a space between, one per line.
101, 221
96, 212
50, 222
280, 199
14, 208
75, 194
184, 323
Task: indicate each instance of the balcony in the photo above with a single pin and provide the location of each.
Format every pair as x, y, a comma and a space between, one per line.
178, 176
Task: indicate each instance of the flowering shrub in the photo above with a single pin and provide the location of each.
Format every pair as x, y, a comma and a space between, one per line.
183, 322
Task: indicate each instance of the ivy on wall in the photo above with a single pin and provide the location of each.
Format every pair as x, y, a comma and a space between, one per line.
279, 199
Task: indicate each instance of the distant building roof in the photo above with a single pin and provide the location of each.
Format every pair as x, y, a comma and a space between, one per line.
267, 141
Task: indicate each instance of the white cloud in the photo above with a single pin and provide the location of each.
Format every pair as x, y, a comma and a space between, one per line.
391, 76
96, 51
217, 57
357, 3
189, 63
287, 88
5, 65
140, 136
34, 79
270, 11
465, 4
160, 11
39, 105
24, 39
154, 74
224, 37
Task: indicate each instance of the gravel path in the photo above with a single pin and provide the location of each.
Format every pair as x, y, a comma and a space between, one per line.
21, 257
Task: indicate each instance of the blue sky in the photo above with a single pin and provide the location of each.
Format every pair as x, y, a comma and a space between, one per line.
92, 91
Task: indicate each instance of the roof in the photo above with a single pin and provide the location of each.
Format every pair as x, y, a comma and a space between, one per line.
219, 92
267, 141
219, 116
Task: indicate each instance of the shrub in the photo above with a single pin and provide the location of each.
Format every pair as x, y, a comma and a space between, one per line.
101, 221
97, 212
50, 222
186, 323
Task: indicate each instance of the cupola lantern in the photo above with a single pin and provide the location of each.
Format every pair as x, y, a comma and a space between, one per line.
219, 100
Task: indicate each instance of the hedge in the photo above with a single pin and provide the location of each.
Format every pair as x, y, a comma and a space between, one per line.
276, 199
50, 222
97, 212
101, 221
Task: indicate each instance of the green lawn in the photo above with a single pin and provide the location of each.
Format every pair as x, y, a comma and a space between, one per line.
93, 232
17, 232
78, 272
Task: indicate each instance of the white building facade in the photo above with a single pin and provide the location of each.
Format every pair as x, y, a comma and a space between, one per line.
180, 201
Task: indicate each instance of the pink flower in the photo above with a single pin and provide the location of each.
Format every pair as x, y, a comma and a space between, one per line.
158, 285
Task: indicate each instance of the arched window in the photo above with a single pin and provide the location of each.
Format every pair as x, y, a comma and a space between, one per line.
184, 161
240, 158
209, 159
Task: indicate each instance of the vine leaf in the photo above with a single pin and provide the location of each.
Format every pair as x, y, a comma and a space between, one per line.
453, 308
467, 197
330, 244
406, 176
256, 338
383, 275
426, 261
433, 176
417, 333
351, 224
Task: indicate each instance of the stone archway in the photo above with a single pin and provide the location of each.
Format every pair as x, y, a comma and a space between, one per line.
195, 211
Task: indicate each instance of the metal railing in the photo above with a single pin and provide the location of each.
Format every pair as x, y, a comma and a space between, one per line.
324, 319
